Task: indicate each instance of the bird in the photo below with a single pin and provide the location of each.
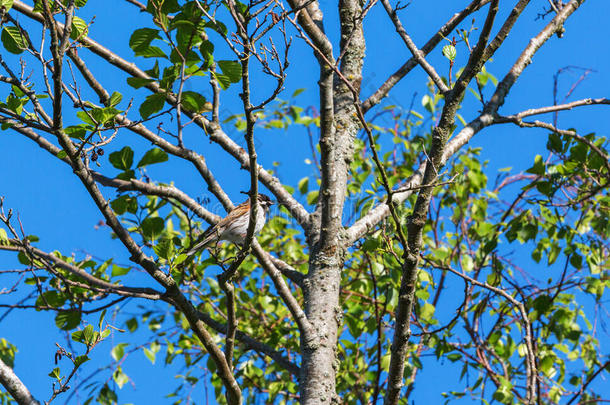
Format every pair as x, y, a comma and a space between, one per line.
234, 226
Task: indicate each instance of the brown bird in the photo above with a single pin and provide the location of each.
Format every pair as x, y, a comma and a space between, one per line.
234, 226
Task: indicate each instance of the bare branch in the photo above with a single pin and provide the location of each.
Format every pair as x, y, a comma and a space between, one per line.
572, 134
561, 107
528, 337
417, 54
589, 380
444, 31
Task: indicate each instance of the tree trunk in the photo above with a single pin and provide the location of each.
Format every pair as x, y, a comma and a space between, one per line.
322, 286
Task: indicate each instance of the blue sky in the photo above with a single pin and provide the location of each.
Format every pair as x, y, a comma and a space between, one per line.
53, 204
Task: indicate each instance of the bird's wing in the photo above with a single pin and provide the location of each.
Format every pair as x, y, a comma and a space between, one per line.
215, 232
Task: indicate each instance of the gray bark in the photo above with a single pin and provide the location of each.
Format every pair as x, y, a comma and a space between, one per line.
327, 252
14, 386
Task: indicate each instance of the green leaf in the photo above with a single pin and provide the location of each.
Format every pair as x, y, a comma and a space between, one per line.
100, 115
80, 360
79, 28
101, 320
546, 364
7, 4
13, 40
118, 351
78, 336
449, 52
377, 269
55, 373
23, 259
576, 260
180, 259
303, 185
218, 26
370, 245
119, 377
123, 204
554, 143
154, 72
86, 117
141, 38
231, 69
164, 249
167, 6
192, 58
122, 159
107, 396
152, 52
89, 335
155, 155
77, 131
153, 104
115, 99
453, 357
207, 51
223, 80
152, 227
312, 197
538, 167
132, 324
67, 320
170, 75
52, 298
494, 279
427, 312
118, 271
428, 103
137, 82
3, 237
193, 101
150, 355
467, 263
126, 175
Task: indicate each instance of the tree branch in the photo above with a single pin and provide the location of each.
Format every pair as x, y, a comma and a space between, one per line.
378, 213
137, 255
214, 130
177, 150
15, 387
442, 32
572, 134
139, 292
417, 54
561, 107
253, 344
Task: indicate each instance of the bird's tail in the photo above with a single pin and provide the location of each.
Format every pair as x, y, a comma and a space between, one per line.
203, 241
197, 248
